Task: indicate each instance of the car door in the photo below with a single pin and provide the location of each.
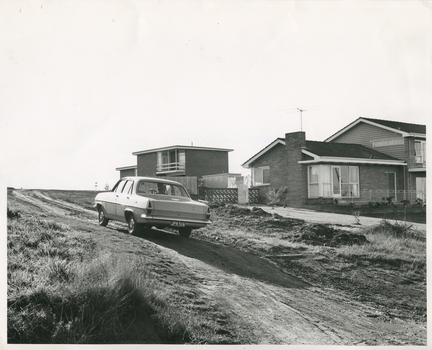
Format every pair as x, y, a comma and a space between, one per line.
123, 199
112, 201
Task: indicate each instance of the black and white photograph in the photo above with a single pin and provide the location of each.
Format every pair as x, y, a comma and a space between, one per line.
240, 174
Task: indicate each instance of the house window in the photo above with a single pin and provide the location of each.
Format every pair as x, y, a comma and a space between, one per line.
421, 188
420, 151
333, 181
314, 181
171, 160
387, 142
261, 176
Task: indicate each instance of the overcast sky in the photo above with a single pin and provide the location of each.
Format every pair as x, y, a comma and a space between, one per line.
83, 84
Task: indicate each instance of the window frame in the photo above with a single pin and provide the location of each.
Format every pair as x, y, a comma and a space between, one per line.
323, 186
387, 142
165, 164
420, 154
261, 168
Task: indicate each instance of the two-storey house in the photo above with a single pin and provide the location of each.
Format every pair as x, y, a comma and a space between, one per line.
404, 141
186, 164
182, 161
364, 162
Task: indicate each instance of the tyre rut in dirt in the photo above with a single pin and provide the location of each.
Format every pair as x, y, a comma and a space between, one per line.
185, 232
133, 226
103, 221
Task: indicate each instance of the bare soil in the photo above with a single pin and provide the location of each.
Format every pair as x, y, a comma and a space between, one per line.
259, 294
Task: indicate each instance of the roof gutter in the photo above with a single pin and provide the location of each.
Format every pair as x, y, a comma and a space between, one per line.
352, 160
154, 150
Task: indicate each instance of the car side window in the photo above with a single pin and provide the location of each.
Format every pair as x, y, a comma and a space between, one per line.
131, 188
120, 186
177, 191
127, 188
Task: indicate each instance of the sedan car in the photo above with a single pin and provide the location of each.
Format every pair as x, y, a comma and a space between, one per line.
147, 202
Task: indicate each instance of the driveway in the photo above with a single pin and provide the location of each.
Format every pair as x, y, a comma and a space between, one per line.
331, 218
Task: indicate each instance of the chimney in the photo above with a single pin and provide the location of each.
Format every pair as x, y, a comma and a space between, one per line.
297, 173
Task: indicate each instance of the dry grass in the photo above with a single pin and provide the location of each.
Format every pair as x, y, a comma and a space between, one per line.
61, 291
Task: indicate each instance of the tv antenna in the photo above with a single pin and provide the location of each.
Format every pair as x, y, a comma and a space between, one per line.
301, 117
301, 110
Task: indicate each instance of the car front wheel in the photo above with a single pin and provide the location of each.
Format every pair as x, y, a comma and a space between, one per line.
185, 231
133, 226
103, 221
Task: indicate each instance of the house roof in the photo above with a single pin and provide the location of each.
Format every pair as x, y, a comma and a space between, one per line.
344, 150
130, 167
322, 151
196, 148
406, 129
267, 148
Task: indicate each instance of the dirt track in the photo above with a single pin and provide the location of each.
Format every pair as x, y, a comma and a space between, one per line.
264, 301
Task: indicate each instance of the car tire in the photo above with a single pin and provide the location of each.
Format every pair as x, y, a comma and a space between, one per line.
133, 226
185, 231
103, 221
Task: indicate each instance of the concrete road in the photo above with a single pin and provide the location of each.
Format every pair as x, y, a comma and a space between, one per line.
330, 218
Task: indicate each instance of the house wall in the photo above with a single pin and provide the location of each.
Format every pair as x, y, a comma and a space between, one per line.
127, 172
198, 163
275, 159
202, 162
364, 134
146, 164
374, 181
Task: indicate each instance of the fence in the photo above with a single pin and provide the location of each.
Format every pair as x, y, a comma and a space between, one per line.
393, 196
190, 182
228, 195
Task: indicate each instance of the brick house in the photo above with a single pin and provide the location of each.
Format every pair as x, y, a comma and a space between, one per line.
404, 141
360, 164
185, 164
182, 161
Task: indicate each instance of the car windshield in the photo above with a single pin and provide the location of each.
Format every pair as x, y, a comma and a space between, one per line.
149, 187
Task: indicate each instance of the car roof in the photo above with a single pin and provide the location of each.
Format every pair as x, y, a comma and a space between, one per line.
151, 179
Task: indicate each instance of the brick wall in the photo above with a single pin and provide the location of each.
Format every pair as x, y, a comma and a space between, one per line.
146, 164
201, 162
375, 177
198, 163
296, 173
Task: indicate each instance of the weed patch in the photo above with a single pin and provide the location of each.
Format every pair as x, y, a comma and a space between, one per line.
397, 229
13, 214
